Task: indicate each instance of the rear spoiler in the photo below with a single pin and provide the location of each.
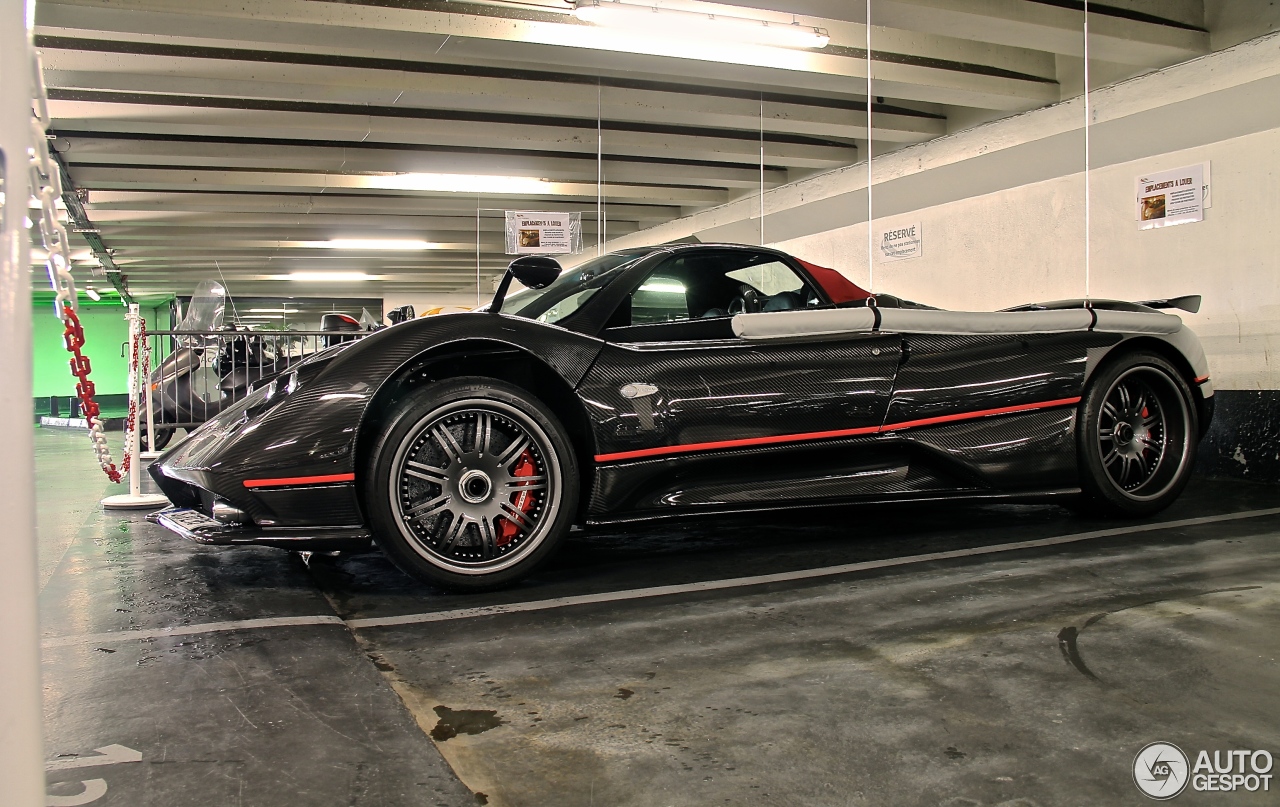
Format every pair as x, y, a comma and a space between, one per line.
1189, 303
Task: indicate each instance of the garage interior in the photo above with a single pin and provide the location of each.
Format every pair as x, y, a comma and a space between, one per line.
317, 156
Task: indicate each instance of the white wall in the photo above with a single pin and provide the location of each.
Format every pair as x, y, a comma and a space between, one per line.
1027, 244
1002, 207
425, 302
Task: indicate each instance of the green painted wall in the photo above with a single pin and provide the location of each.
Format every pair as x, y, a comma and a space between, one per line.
105, 330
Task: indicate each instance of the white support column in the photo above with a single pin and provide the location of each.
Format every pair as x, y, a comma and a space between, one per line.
22, 759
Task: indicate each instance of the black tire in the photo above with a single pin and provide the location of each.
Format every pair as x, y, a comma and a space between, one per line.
1137, 437
489, 510
163, 436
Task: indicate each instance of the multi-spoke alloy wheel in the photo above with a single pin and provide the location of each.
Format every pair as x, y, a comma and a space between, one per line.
474, 485
1138, 436
475, 482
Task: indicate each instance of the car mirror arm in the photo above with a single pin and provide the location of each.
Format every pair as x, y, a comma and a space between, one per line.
533, 271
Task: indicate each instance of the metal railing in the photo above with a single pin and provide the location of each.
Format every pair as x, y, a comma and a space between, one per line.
194, 375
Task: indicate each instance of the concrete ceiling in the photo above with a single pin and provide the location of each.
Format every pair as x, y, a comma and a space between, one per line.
214, 135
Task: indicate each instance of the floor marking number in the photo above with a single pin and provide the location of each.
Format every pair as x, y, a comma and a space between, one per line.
94, 789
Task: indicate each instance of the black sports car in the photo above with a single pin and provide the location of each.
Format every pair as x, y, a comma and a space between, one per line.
678, 380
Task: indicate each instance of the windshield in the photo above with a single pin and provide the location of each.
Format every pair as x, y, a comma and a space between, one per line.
569, 292
206, 309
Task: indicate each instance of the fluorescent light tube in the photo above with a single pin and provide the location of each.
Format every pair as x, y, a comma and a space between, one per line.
669, 288
371, 243
459, 183
695, 25
324, 277
92, 294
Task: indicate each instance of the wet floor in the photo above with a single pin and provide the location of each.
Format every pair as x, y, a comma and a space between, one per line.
1027, 677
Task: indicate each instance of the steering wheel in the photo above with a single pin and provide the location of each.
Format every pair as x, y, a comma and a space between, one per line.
747, 302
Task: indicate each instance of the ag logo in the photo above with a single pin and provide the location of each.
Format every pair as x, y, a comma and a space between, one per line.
1160, 770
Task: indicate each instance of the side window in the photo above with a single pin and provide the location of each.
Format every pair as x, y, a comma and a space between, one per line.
705, 287
769, 278
661, 298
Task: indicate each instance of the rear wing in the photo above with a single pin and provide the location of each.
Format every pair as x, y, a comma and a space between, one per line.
1189, 303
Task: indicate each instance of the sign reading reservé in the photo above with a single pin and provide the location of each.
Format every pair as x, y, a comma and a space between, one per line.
899, 242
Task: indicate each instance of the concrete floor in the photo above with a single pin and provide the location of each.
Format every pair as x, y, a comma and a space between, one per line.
947, 664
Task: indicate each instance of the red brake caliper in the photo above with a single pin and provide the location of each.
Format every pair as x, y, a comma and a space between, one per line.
1145, 415
521, 500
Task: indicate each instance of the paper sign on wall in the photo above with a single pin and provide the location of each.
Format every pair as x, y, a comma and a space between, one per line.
900, 242
542, 233
1172, 197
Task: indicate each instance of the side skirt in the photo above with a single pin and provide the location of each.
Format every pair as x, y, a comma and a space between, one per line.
1048, 496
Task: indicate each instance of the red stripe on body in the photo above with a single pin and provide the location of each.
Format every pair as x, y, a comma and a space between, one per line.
746, 441
298, 480
1004, 410
810, 436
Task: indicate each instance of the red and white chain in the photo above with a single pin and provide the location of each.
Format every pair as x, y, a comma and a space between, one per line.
46, 185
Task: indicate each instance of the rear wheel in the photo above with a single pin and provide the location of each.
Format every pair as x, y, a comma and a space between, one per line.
1137, 437
472, 485
163, 436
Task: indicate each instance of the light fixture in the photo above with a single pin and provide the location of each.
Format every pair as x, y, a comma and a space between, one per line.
92, 293
271, 310
324, 277
371, 243
664, 288
670, 22
458, 183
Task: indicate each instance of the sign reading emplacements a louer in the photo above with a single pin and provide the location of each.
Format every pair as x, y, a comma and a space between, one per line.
898, 242
543, 233
1171, 197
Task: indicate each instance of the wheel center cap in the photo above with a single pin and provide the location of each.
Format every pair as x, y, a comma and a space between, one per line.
475, 486
1124, 433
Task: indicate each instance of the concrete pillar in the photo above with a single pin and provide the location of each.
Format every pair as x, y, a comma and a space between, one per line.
21, 750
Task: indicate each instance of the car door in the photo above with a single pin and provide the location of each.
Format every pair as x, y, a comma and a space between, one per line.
686, 415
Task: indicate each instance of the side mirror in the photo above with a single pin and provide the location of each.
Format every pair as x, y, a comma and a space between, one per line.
402, 314
534, 271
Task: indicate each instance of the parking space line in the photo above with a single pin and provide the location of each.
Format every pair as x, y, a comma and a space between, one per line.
642, 593
187, 630
783, 577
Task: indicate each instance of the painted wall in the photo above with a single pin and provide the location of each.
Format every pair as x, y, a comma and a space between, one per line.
1002, 207
1027, 244
105, 330
425, 302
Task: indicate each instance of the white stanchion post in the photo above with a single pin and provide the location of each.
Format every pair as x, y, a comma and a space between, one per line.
22, 760
135, 498
145, 380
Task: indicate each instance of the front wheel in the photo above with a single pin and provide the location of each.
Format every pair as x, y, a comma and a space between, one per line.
472, 484
1137, 436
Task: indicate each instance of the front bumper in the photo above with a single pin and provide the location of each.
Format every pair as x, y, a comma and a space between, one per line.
196, 526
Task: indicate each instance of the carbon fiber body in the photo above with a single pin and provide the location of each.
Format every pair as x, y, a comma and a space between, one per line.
670, 418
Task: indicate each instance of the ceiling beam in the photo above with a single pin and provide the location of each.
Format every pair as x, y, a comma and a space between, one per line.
151, 152
367, 30
92, 70
93, 111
